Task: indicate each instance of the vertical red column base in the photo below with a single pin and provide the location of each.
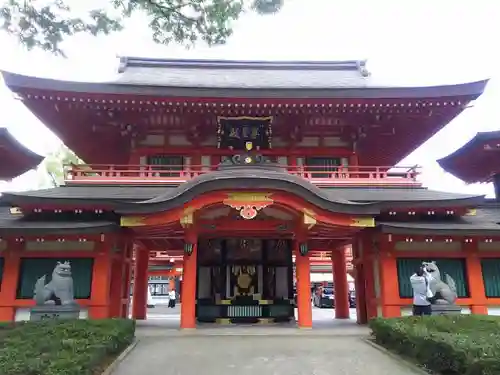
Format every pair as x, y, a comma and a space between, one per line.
479, 309
140, 295
361, 308
188, 298
12, 265
116, 288
7, 314
304, 305
339, 268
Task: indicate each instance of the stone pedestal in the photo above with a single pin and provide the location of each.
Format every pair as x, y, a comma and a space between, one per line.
44, 312
446, 310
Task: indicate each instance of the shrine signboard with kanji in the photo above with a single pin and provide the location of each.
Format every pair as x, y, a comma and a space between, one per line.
244, 133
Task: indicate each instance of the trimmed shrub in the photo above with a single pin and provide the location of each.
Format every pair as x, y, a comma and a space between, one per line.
453, 345
59, 347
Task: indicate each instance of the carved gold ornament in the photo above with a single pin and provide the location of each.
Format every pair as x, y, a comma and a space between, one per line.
248, 204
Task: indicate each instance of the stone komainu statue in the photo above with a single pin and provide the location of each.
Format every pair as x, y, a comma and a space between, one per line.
444, 292
59, 291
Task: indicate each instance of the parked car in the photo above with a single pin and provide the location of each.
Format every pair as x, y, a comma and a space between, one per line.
352, 299
324, 297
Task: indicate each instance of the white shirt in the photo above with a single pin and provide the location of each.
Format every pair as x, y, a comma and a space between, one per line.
171, 294
421, 290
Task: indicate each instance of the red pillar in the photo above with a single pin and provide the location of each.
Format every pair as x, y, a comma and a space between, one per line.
11, 269
127, 278
140, 295
339, 269
359, 282
303, 272
117, 279
188, 292
101, 283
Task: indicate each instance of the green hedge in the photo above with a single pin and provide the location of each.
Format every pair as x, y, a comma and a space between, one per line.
451, 345
76, 347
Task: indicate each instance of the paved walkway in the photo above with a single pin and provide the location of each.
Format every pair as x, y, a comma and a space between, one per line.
256, 350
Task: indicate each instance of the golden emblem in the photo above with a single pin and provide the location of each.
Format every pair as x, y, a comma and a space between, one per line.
244, 280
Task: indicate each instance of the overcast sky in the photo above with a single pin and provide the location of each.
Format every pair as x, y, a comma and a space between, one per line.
406, 42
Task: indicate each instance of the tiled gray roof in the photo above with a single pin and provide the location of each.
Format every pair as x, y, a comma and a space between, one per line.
244, 74
247, 79
16, 224
485, 220
395, 194
96, 193
140, 193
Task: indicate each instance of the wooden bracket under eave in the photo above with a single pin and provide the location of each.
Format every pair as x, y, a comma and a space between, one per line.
15, 211
309, 219
132, 221
471, 212
363, 222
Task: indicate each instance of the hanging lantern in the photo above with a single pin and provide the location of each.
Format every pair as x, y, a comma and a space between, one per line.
303, 248
188, 248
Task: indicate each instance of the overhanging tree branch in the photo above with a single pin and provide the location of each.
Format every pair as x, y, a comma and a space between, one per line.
45, 26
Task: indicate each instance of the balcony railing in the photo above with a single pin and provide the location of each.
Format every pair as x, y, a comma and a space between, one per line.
175, 175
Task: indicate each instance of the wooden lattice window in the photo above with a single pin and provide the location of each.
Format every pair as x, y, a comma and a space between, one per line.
491, 277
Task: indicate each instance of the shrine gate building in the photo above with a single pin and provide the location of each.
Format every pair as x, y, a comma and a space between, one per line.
242, 173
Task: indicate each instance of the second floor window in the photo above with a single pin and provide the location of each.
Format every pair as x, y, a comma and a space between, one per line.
166, 165
317, 166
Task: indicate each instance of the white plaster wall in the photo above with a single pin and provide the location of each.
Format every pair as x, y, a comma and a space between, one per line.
494, 310
407, 310
23, 314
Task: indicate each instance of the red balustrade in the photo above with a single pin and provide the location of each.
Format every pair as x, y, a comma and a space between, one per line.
319, 175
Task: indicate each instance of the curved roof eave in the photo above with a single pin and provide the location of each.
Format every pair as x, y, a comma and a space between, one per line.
114, 197
472, 89
250, 180
30, 159
468, 201
478, 138
5, 133
448, 162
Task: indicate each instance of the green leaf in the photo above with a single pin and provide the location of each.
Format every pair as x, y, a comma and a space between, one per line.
186, 22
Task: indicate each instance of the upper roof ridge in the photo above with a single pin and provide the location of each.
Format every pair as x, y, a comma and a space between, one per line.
350, 65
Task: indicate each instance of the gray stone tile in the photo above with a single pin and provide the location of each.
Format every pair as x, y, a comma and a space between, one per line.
263, 355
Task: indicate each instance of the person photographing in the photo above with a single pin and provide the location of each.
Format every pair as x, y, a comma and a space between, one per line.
420, 282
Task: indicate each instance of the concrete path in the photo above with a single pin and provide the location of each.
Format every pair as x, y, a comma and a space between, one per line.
257, 350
